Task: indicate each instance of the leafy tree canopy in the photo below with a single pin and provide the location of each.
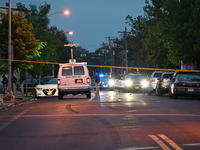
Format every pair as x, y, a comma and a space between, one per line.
174, 25
23, 40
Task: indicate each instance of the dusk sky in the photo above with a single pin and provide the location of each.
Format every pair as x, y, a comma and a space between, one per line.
90, 20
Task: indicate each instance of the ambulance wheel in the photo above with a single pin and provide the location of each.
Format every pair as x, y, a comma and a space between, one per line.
88, 95
60, 96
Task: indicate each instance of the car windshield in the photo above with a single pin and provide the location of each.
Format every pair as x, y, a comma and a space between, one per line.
48, 81
134, 77
189, 78
167, 75
157, 75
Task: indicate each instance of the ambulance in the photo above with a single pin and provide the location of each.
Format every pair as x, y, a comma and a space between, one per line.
73, 78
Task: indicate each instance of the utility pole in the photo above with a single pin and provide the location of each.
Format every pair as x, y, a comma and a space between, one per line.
9, 50
112, 53
125, 48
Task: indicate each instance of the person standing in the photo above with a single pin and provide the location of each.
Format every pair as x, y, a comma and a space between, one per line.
14, 85
97, 81
5, 83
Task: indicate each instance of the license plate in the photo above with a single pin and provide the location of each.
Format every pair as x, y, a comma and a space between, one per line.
78, 81
49, 93
190, 89
137, 87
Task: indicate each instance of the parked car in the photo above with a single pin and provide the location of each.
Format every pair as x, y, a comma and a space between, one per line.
119, 84
175, 73
46, 87
153, 80
162, 86
185, 85
29, 85
133, 82
106, 82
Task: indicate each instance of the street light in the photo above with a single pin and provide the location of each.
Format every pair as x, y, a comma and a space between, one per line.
70, 32
66, 12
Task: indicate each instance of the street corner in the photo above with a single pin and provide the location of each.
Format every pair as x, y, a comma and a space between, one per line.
6, 103
94, 97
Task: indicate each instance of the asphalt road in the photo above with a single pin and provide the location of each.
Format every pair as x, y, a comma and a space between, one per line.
110, 121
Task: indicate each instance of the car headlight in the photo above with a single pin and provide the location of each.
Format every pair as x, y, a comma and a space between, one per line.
39, 89
145, 83
111, 82
128, 82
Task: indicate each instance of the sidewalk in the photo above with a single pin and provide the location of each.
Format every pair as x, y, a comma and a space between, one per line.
6, 103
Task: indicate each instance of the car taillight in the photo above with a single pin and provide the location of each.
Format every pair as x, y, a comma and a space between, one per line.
163, 79
197, 85
88, 80
152, 80
181, 84
58, 81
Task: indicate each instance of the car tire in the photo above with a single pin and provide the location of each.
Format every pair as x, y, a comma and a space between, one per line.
174, 96
60, 96
88, 95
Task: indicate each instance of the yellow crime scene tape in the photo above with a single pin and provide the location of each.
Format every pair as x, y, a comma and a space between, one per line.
139, 68
161, 69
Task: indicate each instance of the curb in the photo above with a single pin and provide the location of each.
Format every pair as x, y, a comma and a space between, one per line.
19, 100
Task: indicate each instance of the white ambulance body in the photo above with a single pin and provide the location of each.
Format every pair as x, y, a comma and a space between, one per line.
73, 78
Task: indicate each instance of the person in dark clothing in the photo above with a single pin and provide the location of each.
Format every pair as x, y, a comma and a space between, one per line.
97, 81
14, 84
5, 83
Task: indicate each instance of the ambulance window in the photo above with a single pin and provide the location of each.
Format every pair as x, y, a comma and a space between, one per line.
78, 70
66, 71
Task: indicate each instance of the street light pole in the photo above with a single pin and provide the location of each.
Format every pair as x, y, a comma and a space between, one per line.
9, 50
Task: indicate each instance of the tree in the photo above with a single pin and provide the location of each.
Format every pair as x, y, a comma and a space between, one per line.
135, 41
175, 24
53, 39
23, 40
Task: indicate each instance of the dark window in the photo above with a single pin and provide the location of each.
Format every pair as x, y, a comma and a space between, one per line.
78, 70
66, 71
158, 75
167, 75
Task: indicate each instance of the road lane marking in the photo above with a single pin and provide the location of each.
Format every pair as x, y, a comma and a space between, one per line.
12, 120
192, 144
92, 97
171, 142
69, 115
157, 140
139, 148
